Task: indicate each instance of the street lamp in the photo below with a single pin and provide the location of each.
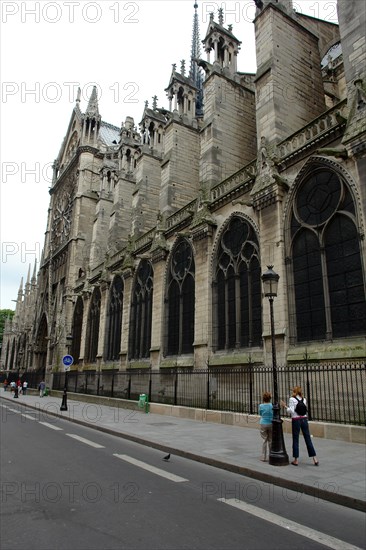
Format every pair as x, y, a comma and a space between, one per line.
67, 361
278, 455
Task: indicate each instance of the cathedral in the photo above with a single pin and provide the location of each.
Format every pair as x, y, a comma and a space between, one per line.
159, 233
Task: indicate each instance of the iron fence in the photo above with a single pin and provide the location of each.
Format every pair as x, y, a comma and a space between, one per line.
335, 392
32, 377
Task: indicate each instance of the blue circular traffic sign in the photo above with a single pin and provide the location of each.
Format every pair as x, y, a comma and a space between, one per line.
67, 360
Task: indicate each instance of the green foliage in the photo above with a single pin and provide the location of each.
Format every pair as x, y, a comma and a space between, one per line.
4, 314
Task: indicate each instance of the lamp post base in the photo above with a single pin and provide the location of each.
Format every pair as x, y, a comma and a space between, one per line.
64, 401
278, 455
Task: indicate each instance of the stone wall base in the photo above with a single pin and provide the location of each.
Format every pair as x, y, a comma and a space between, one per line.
340, 432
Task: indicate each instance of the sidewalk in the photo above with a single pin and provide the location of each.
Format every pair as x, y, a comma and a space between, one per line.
340, 477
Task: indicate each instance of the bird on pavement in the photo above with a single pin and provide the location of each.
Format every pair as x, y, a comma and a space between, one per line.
167, 457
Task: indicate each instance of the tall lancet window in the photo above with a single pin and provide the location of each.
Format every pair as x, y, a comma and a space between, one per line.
180, 300
92, 337
141, 312
237, 288
77, 324
325, 260
114, 320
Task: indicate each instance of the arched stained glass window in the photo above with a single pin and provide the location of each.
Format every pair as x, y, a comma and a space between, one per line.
77, 324
92, 337
114, 320
237, 288
141, 312
180, 300
325, 260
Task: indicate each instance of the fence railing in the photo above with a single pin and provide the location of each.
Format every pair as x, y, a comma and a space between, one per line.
335, 392
32, 377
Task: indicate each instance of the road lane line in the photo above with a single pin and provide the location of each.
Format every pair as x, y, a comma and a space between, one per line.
152, 469
28, 416
52, 426
87, 441
19, 412
312, 534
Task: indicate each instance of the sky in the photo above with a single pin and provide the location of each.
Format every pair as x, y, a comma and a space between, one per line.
48, 50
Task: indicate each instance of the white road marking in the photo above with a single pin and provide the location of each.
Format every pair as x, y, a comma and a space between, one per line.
87, 441
52, 426
312, 534
28, 416
152, 469
19, 412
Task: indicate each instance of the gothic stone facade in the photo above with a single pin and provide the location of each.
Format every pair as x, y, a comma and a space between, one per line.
157, 238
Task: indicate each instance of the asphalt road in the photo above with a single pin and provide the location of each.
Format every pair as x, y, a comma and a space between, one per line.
64, 486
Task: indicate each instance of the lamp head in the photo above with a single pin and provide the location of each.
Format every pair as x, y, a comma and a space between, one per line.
270, 282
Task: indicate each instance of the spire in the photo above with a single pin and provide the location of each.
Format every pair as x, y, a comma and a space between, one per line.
92, 120
92, 109
195, 72
34, 276
27, 284
221, 16
20, 291
19, 301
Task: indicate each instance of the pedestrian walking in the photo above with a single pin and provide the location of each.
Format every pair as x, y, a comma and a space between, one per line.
42, 387
265, 423
25, 387
298, 411
6, 384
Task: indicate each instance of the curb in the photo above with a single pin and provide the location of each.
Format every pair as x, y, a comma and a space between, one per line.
343, 500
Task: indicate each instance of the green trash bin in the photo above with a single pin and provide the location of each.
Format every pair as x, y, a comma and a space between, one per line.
143, 402
46, 391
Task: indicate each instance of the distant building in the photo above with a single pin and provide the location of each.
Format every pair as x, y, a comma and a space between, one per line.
157, 236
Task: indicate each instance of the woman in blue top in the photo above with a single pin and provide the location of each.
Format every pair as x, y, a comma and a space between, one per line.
266, 414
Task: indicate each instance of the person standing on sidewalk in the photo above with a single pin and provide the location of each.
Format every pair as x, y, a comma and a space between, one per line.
298, 411
25, 386
41, 387
266, 417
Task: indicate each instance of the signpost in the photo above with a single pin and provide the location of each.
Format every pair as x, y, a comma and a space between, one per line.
67, 361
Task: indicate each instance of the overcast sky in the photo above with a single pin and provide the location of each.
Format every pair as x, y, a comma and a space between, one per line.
48, 50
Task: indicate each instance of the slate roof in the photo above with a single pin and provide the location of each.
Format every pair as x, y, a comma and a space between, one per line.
109, 133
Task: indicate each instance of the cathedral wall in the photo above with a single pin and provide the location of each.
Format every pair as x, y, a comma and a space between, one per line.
157, 329
120, 216
203, 301
289, 83
352, 24
290, 93
179, 172
127, 280
228, 136
100, 232
103, 322
327, 33
145, 202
